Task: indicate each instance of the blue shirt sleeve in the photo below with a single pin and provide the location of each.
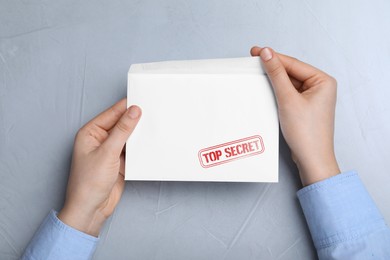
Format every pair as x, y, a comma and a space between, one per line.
343, 219
56, 240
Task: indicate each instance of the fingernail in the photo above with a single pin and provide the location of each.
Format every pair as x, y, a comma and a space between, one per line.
134, 112
266, 54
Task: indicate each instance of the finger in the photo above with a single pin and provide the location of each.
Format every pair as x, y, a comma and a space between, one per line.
120, 185
296, 83
294, 67
122, 130
255, 51
299, 69
122, 165
277, 74
117, 190
107, 119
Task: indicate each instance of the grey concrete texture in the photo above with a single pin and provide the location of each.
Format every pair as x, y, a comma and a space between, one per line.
62, 62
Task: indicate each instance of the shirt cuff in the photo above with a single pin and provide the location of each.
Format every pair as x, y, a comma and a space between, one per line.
339, 209
56, 240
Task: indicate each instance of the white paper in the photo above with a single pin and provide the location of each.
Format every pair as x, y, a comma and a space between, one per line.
203, 120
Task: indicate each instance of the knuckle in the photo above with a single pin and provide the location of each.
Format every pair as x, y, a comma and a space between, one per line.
116, 113
275, 71
123, 126
81, 132
294, 60
333, 81
291, 64
330, 82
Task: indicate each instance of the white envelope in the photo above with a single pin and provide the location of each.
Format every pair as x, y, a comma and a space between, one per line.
203, 120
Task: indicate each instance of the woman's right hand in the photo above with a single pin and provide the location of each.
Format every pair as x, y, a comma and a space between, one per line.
306, 99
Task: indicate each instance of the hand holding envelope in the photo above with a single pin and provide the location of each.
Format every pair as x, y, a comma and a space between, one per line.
306, 98
203, 120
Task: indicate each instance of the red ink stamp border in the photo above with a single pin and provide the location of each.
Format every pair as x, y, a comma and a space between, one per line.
230, 143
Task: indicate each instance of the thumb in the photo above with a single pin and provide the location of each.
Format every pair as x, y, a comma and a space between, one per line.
277, 74
122, 130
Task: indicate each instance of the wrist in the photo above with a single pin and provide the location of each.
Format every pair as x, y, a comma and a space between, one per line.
312, 170
82, 219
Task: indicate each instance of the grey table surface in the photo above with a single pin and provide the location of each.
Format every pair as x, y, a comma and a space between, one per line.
62, 62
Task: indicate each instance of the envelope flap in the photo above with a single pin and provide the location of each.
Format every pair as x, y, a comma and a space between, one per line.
247, 65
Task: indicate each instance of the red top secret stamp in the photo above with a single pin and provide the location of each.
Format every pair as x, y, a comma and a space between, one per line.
231, 151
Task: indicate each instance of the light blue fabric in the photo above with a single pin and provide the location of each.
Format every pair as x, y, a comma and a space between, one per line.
56, 240
343, 219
